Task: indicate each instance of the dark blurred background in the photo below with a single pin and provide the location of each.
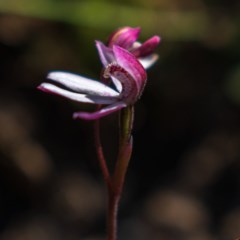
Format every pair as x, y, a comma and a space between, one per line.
183, 181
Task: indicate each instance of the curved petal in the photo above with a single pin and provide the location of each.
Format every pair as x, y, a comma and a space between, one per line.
81, 84
130, 90
147, 47
130, 63
105, 53
101, 113
107, 57
148, 61
50, 88
124, 37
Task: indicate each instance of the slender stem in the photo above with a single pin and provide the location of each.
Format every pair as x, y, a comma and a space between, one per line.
125, 124
113, 201
117, 180
115, 183
121, 166
125, 148
101, 158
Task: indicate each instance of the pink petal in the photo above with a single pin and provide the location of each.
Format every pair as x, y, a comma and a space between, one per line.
147, 47
81, 84
130, 90
101, 113
50, 88
124, 37
105, 53
130, 63
107, 57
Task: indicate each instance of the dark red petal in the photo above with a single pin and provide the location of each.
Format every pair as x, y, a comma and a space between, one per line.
147, 47
130, 90
124, 37
130, 63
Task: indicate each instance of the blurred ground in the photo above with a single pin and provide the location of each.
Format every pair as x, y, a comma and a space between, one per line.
183, 182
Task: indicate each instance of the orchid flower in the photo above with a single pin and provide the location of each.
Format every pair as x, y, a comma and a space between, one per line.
120, 65
126, 37
124, 62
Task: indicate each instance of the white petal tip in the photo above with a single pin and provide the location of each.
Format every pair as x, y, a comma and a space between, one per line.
43, 87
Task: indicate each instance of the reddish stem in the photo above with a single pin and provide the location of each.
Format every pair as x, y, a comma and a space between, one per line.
121, 167
101, 158
115, 183
113, 200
